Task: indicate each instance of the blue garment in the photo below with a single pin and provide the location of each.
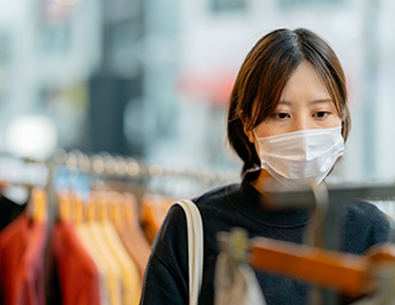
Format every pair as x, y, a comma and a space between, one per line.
238, 205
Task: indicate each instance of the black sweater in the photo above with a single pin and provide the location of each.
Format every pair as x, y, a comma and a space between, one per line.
166, 279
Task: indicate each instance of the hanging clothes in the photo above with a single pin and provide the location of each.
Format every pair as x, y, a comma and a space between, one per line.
105, 277
119, 281
130, 274
29, 280
153, 210
124, 214
78, 275
115, 277
22, 245
131, 284
13, 243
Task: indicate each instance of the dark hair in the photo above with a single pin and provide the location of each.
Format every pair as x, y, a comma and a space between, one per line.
263, 76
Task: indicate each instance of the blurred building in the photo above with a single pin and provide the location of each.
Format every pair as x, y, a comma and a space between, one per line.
116, 84
48, 52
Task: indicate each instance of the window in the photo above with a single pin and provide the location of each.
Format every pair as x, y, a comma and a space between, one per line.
5, 48
53, 28
228, 5
289, 4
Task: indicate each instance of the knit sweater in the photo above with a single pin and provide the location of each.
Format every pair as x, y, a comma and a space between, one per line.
238, 205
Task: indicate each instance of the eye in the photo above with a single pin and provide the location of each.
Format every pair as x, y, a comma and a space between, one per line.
321, 114
281, 116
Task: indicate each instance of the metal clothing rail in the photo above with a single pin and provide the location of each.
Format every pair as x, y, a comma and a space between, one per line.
109, 166
102, 167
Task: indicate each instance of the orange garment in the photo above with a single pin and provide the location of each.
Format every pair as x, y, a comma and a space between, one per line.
153, 210
136, 246
78, 275
125, 218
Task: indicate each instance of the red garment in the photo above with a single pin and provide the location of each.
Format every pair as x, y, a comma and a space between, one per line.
78, 275
22, 245
13, 243
30, 277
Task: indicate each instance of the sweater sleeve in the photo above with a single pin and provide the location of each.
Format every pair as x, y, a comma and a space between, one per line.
166, 277
365, 225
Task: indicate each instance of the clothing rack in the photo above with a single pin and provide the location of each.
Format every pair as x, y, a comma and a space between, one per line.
105, 167
112, 174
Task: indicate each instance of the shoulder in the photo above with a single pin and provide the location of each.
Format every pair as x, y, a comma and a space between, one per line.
174, 223
173, 229
175, 217
216, 195
364, 226
358, 210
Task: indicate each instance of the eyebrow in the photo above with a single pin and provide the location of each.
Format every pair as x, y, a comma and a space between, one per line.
320, 101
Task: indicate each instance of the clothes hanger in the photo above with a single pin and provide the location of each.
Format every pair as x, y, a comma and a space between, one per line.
39, 198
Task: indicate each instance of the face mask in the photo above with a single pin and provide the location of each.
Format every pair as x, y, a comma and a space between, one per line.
301, 158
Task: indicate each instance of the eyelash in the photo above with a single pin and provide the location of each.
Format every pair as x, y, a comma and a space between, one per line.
325, 114
319, 115
277, 115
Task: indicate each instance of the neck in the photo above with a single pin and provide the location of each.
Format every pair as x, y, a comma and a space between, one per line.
263, 178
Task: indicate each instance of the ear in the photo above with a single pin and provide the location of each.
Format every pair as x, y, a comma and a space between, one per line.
249, 134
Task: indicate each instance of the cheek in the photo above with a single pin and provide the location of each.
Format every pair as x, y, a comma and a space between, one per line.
336, 121
266, 130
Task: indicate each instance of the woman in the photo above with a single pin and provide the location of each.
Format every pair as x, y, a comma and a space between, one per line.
289, 99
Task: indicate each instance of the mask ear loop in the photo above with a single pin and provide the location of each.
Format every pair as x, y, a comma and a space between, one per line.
314, 232
255, 135
257, 142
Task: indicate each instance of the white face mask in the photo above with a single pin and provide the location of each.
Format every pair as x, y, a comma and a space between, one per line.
301, 158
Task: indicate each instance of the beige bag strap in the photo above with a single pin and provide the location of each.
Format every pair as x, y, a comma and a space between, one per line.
195, 248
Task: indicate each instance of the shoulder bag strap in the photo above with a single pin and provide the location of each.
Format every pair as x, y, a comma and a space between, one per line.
195, 248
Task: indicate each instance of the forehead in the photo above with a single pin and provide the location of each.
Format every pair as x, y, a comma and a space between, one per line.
305, 85
300, 78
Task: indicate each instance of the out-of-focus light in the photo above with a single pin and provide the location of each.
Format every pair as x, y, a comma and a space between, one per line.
133, 169
66, 2
60, 156
155, 170
120, 166
31, 136
98, 164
